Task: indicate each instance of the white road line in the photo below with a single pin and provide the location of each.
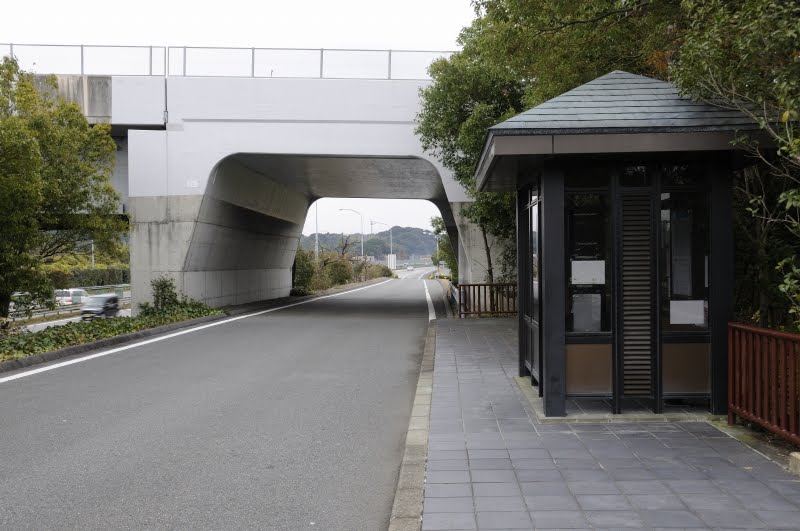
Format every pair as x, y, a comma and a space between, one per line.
176, 334
431, 311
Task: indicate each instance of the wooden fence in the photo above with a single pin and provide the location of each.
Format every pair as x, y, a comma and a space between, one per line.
487, 300
763, 379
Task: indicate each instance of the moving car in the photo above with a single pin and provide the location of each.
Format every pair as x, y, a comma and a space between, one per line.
410, 268
66, 296
100, 306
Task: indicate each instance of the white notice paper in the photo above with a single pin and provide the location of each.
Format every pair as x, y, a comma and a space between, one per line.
588, 271
687, 312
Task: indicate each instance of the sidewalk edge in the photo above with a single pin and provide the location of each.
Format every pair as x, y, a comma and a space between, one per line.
407, 506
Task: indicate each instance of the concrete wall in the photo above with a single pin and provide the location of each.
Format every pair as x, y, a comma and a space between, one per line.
220, 171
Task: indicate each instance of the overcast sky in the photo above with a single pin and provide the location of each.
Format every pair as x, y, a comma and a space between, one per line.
368, 24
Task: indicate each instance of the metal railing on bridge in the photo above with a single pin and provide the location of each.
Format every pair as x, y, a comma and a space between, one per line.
171, 61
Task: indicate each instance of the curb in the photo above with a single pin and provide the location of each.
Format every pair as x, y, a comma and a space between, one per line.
407, 506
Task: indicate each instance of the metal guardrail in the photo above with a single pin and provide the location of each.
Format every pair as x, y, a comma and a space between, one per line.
60, 310
764, 379
487, 300
209, 61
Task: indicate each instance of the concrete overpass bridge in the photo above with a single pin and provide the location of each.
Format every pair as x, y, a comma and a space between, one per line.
219, 159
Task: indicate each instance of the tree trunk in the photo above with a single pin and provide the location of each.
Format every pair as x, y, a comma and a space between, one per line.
489, 272
489, 268
5, 304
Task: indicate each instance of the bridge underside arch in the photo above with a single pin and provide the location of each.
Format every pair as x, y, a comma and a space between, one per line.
236, 243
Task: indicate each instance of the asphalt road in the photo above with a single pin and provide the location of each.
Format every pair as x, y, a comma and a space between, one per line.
293, 419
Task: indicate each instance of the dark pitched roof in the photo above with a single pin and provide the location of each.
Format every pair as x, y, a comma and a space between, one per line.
620, 102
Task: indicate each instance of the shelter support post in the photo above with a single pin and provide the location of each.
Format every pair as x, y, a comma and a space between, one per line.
721, 265
553, 292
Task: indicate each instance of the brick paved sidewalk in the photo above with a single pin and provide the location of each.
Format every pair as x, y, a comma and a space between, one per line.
491, 467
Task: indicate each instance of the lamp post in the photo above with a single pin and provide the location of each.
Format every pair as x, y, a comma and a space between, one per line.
391, 241
362, 226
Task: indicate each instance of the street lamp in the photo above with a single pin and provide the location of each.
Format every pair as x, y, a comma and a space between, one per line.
391, 241
362, 226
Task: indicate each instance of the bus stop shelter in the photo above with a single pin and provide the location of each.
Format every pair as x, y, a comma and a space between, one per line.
625, 241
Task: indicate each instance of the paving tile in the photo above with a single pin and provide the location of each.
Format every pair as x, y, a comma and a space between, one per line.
488, 453
447, 445
730, 518
615, 519
533, 464
499, 503
447, 490
545, 487
603, 502
448, 505
496, 489
780, 519
585, 475
642, 487
559, 519
656, 502
493, 476
622, 474
436, 455
448, 464
766, 502
671, 519
504, 520
447, 476
539, 474
555, 476
681, 486
551, 503
529, 453
715, 502
490, 464
440, 521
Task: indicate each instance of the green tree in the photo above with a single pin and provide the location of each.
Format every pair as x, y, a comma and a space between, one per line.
468, 95
303, 268
20, 201
446, 251
71, 168
745, 55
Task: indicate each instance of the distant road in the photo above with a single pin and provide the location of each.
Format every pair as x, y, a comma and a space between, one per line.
293, 419
59, 322
415, 273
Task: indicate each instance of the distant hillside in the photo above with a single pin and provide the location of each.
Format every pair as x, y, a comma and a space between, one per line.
408, 241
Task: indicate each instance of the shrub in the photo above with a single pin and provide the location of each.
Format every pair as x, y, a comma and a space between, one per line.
379, 271
164, 293
339, 272
320, 281
168, 307
89, 277
304, 268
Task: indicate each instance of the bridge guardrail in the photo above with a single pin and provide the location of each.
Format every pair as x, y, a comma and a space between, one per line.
208, 61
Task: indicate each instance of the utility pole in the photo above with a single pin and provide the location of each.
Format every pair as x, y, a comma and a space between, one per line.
438, 258
316, 232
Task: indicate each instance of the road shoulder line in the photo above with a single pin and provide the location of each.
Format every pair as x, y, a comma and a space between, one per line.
408, 497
